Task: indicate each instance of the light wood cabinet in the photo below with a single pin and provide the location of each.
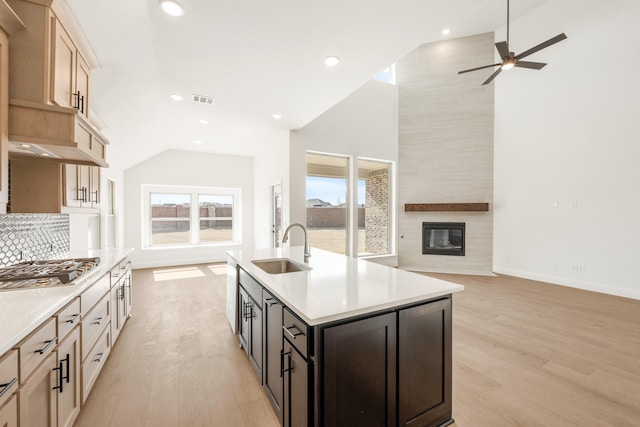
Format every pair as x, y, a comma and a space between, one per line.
9, 413
69, 379
49, 88
37, 396
41, 186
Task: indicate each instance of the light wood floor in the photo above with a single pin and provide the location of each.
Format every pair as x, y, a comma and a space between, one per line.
525, 354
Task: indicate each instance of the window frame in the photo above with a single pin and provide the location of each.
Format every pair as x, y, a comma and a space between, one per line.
194, 215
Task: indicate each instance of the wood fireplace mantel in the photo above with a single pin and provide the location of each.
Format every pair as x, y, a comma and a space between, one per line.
446, 207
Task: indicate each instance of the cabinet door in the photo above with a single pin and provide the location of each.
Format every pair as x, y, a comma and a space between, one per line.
84, 181
115, 315
82, 85
424, 344
255, 337
94, 186
297, 381
73, 193
69, 372
63, 66
273, 352
128, 296
37, 396
360, 373
9, 413
243, 323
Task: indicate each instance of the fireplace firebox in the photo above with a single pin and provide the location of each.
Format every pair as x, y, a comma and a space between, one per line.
443, 238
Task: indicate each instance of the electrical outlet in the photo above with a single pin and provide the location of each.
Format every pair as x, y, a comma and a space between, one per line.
555, 265
578, 268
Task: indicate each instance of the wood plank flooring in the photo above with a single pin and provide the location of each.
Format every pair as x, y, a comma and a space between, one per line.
525, 354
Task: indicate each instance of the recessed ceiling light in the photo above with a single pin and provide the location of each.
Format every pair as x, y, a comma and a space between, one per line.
331, 61
176, 97
25, 145
45, 154
204, 122
172, 7
277, 116
446, 32
198, 142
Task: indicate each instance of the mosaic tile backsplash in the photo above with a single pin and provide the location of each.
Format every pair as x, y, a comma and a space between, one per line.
32, 236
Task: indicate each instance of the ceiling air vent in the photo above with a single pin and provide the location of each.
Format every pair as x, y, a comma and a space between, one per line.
201, 99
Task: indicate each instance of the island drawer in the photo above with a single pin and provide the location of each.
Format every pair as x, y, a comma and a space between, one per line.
296, 332
36, 348
68, 318
93, 324
94, 294
8, 375
250, 285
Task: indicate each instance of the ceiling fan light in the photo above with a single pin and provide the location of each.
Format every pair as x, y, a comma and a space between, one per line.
508, 64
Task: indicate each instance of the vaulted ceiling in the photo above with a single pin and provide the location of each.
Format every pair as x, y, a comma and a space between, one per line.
256, 58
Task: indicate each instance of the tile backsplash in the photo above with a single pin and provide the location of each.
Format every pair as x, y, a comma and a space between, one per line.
33, 236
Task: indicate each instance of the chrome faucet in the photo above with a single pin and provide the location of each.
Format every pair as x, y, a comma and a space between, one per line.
285, 238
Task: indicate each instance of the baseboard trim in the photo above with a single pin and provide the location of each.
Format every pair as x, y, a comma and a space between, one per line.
176, 262
445, 271
586, 286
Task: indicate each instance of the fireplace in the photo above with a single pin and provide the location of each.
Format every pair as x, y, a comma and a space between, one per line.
443, 238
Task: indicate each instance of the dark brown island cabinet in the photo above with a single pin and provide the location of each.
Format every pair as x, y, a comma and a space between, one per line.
387, 368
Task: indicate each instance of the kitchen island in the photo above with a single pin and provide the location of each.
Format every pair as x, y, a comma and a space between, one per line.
344, 342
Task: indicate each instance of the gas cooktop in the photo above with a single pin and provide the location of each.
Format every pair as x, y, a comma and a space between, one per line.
45, 273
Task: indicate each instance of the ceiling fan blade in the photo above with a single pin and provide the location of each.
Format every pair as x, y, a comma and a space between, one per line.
493, 76
541, 46
503, 50
478, 68
532, 65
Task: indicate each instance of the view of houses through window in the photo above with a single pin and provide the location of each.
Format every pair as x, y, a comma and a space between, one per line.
184, 216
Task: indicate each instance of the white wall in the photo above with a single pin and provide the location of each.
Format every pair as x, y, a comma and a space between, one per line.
270, 167
365, 124
186, 168
567, 147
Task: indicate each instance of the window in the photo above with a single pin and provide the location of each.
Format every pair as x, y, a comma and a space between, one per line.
388, 75
331, 208
190, 216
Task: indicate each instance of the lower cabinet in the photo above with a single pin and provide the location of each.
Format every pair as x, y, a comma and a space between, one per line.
387, 369
37, 396
360, 355
9, 413
68, 384
296, 382
272, 349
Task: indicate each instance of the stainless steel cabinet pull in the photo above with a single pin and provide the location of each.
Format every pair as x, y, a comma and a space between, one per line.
7, 386
48, 344
73, 318
292, 334
269, 301
97, 321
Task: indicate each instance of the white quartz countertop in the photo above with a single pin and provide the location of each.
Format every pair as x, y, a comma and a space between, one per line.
21, 311
338, 287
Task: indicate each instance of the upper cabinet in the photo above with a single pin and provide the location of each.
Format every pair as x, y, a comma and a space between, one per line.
49, 88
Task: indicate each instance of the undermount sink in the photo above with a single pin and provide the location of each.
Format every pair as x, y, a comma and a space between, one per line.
280, 265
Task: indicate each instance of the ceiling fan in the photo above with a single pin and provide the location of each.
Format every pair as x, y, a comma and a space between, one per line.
510, 60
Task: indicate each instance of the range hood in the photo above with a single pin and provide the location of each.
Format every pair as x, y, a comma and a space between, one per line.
59, 133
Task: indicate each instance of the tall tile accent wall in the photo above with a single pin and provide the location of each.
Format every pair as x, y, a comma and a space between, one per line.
445, 149
33, 236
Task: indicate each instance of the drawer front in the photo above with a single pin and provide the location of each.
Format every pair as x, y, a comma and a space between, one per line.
8, 375
93, 324
9, 413
68, 318
94, 294
120, 271
296, 332
93, 364
252, 287
36, 348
